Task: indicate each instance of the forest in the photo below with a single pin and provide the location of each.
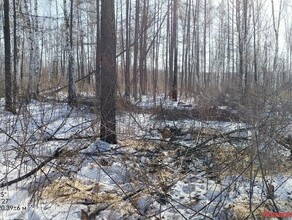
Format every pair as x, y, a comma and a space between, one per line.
145, 109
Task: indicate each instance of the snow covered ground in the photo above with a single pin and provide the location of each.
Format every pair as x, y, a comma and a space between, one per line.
206, 171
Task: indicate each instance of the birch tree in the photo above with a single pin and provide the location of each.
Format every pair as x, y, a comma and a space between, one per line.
72, 98
242, 29
34, 65
276, 27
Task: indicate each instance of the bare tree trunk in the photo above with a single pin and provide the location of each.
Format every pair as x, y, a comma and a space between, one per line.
183, 53
36, 76
108, 73
239, 24
276, 26
71, 88
156, 53
174, 84
171, 50
6, 30
245, 44
228, 71
32, 86
127, 69
98, 45
72, 99
143, 51
136, 43
166, 76
197, 39
22, 60
15, 55
174, 52
255, 63
81, 60
121, 42
205, 44
187, 53
233, 47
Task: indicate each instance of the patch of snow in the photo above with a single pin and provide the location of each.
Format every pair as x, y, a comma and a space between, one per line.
98, 147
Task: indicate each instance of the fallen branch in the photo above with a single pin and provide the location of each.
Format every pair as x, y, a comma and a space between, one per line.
64, 87
73, 137
225, 136
93, 214
56, 154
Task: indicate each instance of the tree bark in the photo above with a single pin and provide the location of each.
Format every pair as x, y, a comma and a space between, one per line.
15, 55
174, 52
72, 99
127, 69
108, 73
136, 45
97, 73
34, 56
8, 91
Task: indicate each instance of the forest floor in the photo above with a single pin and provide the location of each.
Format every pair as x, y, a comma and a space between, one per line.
174, 161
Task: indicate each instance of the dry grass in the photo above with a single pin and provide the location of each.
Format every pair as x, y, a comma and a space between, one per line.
241, 211
229, 160
75, 191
